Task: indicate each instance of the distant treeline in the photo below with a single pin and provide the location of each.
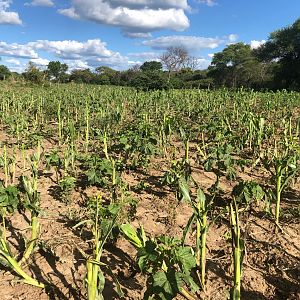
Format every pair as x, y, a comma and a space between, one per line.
274, 65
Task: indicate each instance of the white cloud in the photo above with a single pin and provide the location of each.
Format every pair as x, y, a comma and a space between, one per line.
145, 55
232, 38
47, 3
256, 44
132, 63
40, 62
191, 43
137, 35
17, 68
141, 16
87, 54
17, 50
154, 4
203, 63
77, 64
13, 61
8, 17
69, 12
116, 61
93, 50
208, 2
211, 55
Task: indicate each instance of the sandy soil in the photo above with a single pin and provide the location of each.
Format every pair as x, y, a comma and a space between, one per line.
271, 268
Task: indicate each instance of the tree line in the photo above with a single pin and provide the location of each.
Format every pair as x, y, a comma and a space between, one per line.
273, 65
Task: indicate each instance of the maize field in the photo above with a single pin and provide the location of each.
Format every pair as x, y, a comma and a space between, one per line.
112, 193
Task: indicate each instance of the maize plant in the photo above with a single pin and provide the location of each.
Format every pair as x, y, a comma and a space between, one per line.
9, 200
32, 203
238, 250
102, 227
201, 206
283, 167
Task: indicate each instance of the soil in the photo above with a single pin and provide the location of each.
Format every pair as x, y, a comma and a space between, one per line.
271, 268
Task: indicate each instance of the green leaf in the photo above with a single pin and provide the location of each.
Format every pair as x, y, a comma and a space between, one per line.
147, 255
131, 234
184, 188
190, 282
186, 258
27, 184
201, 197
188, 227
9, 198
167, 285
101, 282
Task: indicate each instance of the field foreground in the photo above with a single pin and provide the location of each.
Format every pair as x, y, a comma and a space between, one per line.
83, 160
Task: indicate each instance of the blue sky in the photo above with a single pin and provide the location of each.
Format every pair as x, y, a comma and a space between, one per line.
122, 33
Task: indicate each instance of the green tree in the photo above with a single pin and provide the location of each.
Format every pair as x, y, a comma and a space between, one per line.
57, 70
148, 76
283, 47
104, 70
149, 81
236, 66
105, 75
151, 66
82, 76
4, 72
197, 79
34, 74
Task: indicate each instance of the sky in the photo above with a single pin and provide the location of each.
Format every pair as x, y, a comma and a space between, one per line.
124, 33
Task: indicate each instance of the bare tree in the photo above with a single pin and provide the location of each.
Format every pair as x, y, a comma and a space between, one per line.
192, 63
174, 59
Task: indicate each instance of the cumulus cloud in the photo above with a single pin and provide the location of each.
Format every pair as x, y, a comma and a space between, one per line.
94, 51
8, 17
47, 3
77, 64
256, 44
69, 12
41, 62
87, 54
142, 16
13, 61
90, 53
154, 4
17, 50
191, 43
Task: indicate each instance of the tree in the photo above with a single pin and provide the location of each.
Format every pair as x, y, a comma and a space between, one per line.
174, 59
151, 66
196, 79
148, 76
235, 66
283, 47
57, 70
105, 75
4, 72
82, 76
104, 70
148, 81
34, 74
